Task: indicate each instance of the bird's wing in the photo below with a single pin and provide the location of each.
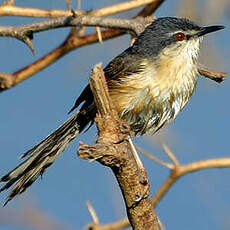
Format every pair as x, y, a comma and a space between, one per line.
120, 67
124, 65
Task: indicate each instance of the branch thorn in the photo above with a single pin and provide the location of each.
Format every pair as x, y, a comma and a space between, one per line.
170, 155
92, 212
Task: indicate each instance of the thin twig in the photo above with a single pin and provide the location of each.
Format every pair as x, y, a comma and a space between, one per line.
68, 3
21, 32
78, 4
98, 29
154, 158
33, 12
170, 154
213, 75
92, 213
181, 170
72, 42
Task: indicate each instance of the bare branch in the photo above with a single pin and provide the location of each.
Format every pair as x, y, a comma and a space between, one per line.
175, 174
154, 158
170, 155
78, 4
151, 7
215, 76
121, 224
92, 213
68, 3
112, 149
21, 32
98, 29
181, 170
114, 9
72, 42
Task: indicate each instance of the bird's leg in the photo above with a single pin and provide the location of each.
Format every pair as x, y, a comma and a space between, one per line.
142, 173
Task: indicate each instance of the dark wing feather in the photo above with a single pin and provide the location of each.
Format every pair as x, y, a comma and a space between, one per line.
123, 65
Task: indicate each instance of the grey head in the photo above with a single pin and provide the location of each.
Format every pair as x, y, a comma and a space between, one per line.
170, 32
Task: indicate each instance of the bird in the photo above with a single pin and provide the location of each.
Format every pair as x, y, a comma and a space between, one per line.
149, 84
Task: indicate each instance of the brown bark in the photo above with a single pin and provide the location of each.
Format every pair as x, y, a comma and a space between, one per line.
113, 149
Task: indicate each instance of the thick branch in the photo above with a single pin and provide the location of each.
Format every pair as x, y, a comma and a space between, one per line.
177, 172
112, 149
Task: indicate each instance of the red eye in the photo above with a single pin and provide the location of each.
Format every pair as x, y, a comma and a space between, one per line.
179, 36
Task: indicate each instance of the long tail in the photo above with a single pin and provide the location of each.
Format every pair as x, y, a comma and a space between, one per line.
43, 155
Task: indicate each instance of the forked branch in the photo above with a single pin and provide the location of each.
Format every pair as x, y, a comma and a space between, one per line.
177, 171
73, 41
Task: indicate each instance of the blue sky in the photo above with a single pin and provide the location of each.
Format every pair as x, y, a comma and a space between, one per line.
34, 108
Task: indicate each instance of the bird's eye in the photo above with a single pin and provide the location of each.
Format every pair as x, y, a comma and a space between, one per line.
179, 36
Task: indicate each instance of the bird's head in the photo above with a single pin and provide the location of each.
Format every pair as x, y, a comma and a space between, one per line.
172, 37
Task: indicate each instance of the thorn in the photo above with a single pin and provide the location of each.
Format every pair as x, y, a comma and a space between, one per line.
78, 4
154, 158
141, 169
170, 155
29, 42
74, 15
91, 160
135, 154
92, 213
68, 3
98, 29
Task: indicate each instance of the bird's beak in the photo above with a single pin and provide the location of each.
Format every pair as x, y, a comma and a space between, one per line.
208, 29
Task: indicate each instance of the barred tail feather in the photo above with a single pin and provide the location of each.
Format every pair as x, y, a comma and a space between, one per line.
43, 155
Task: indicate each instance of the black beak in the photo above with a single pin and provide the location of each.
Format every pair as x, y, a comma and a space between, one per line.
209, 29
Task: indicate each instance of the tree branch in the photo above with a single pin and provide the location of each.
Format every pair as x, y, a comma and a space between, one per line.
113, 149
72, 42
114, 9
26, 31
181, 170
75, 41
25, 34
215, 76
177, 172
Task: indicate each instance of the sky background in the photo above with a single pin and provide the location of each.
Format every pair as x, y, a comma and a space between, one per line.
34, 108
